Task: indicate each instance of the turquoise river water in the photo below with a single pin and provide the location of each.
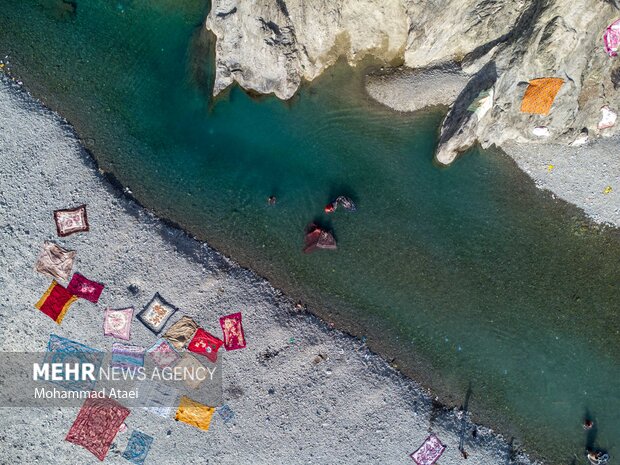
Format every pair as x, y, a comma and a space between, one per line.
464, 276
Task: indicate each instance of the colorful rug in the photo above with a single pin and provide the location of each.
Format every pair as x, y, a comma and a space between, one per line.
429, 452
226, 413
163, 354
192, 371
55, 261
540, 94
55, 302
138, 447
608, 118
611, 39
194, 413
127, 356
84, 288
96, 425
156, 313
117, 323
234, 338
62, 350
71, 221
157, 398
206, 344
181, 332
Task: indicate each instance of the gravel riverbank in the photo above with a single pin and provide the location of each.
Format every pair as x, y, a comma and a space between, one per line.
349, 407
405, 89
586, 176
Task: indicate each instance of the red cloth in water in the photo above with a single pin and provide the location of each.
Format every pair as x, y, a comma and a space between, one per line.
234, 338
55, 302
96, 425
85, 288
317, 238
206, 344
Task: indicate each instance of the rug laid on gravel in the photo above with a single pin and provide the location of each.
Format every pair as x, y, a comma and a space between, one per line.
194, 413
96, 425
226, 413
138, 447
163, 354
191, 367
157, 398
540, 94
117, 323
181, 332
234, 338
55, 302
62, 350
156, 313
55, 261
206, 344
127, 356
429, 452
84, 288
71, 221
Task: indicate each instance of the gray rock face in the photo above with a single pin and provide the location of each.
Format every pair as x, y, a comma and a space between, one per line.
562, 39
269, 46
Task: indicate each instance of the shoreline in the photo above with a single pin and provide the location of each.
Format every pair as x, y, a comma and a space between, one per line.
578, 175
219, 268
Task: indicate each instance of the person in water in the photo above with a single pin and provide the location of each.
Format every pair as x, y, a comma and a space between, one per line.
341, 200
587, 424
271, 200
597, 457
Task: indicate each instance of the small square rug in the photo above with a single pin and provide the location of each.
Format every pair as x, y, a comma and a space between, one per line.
234, 337
194, 413
55, 261
156, 313
181, 332
206, 344
117, 323
84, 288
138, 447
55, 302
71, 221
97, 424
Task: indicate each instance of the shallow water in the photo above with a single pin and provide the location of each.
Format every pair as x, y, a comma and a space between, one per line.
466, 276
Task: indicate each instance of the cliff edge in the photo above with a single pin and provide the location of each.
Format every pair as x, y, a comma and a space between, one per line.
496, 47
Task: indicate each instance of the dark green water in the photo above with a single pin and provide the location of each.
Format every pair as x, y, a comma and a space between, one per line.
467, 275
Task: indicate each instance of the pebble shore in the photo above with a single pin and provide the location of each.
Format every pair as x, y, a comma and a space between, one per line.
302, 392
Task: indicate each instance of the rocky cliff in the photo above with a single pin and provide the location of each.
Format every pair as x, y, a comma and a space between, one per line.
270, 46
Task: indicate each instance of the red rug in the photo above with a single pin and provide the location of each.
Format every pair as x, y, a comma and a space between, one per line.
206, 344
96, 425
55, 302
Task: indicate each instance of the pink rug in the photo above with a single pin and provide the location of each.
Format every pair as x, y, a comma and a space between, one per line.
429, 452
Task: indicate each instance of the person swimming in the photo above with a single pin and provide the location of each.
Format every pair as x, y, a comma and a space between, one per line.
597, 457
271, 200
343, 201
